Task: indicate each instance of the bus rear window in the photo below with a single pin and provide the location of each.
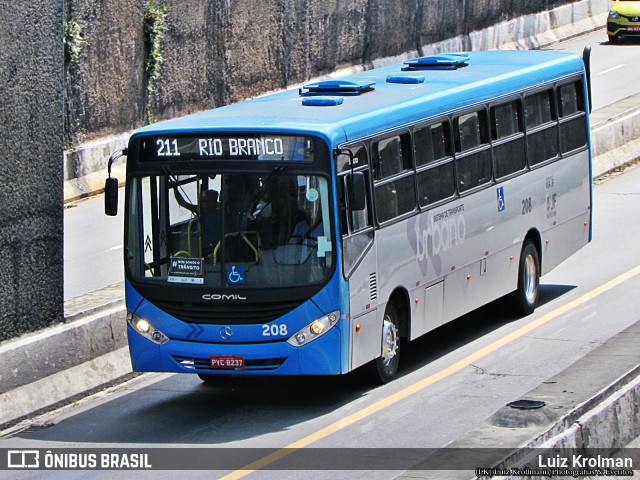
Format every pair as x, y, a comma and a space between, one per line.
570, 99
573, 122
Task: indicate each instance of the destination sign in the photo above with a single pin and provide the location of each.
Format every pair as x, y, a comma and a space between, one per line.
271, 148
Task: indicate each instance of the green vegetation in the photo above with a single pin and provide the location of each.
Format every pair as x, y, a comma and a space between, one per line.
155, 26
73, 41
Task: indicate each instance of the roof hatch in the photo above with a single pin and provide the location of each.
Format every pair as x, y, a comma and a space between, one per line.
322, 101
441, 61
336, 87
405, 79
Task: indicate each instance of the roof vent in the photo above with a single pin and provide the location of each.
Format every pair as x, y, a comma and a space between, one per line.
442, 61
322, 101
405, 79
339, 87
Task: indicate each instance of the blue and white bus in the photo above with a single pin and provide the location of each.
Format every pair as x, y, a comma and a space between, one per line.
315, 230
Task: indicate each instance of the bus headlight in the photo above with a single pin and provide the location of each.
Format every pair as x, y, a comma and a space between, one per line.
144, 328
315, 329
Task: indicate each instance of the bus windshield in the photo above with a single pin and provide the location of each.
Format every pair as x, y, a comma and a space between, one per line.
220, 230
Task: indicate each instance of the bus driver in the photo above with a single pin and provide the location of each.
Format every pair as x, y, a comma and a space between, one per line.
209, 217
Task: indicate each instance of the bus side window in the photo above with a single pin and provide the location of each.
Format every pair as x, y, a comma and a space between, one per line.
508, 147
435, 178
351, 220
392, 158
431, 143
573, 120
469, 132
473, 168
568, 99
542, 131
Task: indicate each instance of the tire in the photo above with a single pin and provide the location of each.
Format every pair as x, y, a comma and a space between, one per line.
385, 367
613, 39
525, 299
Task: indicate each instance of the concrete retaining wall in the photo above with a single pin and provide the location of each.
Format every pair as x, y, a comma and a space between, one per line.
31, 122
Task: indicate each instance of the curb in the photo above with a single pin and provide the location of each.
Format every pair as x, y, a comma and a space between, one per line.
583, 410
41, 370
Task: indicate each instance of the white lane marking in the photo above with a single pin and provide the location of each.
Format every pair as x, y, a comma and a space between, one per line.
609, 70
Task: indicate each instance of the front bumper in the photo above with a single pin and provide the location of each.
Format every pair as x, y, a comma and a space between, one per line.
320, 357
622, 27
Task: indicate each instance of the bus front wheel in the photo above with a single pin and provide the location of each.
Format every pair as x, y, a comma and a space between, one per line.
386, 366
525, 299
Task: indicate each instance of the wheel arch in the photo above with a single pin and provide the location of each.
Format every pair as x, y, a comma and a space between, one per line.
536, 238
400, 299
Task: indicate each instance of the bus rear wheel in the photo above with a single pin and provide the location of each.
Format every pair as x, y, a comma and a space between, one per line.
525, 299
385, 367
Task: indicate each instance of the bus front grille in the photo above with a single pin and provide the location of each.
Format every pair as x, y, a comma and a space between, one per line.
192, 363
225, 313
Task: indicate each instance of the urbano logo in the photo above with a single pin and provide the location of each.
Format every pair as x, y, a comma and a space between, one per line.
444, 231
23, 459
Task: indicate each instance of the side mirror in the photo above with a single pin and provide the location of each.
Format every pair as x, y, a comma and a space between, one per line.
111, 186
111, 196
357, 192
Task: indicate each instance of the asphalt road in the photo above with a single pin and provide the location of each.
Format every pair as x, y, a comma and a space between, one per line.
450, 380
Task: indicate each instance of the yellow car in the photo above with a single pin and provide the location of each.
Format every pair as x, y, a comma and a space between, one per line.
624, 19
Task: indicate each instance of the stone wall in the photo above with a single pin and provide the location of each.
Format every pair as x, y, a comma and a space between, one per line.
217, 52
31, 121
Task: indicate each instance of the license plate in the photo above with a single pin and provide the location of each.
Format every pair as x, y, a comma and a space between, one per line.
228, 362
633, 29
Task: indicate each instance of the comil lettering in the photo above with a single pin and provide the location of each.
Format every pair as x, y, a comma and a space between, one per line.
217, 296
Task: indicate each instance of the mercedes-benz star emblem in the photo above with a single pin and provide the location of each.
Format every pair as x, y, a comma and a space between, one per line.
226, 333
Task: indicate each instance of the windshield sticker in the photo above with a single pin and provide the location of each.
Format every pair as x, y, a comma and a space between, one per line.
235, 274
186, 270
312, 195
324, 246
189, 280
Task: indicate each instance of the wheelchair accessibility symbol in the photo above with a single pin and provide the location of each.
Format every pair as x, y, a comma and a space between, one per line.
501, 204
235, 274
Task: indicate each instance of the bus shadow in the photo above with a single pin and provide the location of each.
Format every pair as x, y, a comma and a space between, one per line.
466, 329
183, 410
